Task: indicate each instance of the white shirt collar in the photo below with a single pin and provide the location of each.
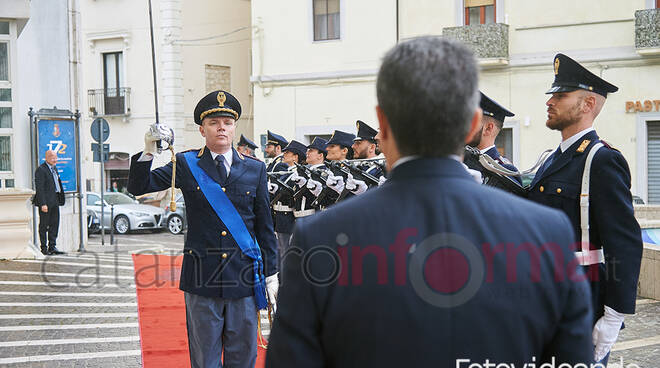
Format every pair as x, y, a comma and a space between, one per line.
569, 142
229, 158
486, 149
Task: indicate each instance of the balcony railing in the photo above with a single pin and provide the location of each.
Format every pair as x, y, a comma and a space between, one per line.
647, 31
108, 102
490, 42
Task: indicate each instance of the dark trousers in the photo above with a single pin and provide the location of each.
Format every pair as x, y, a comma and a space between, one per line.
49, 223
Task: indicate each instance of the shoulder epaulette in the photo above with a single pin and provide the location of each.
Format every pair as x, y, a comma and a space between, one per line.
252, 157
608, 145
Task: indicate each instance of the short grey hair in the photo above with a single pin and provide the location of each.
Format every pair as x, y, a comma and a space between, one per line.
428, 89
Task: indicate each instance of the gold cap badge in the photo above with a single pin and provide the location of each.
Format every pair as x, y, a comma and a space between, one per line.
556, 66
583, 145
221, 99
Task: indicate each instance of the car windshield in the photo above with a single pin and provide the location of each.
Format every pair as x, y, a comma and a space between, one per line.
117, 198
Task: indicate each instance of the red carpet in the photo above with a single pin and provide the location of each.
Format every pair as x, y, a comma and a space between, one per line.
162, 312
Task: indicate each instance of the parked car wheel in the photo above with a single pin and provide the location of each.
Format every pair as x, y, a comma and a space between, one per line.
122, 226
175, 224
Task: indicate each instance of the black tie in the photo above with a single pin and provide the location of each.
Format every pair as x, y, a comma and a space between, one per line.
220, 164
549, 161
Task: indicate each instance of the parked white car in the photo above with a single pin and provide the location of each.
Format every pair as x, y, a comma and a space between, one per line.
128, 213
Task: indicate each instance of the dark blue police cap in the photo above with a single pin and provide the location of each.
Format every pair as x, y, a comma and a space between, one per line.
365, 132
276, 139
319, 144
493, 109
297, 148
342, 138
246, 142
570, 76
217, 103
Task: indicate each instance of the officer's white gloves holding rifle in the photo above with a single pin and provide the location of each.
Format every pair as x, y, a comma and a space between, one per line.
355, 186
606, 332
299, 180
272, 286
314, 187
335, 183
272, 188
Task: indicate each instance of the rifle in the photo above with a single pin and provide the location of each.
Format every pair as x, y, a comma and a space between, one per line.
313, 174
284, 189
345, 168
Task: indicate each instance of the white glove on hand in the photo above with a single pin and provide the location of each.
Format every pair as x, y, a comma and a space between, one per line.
272, 286
150, 139
355, 186
476, 175
382, 180
335, 183
314, 187
272, 188
606, 332
299, 180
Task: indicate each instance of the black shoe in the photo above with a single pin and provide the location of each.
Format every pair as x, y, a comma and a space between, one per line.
44, 251
54, 250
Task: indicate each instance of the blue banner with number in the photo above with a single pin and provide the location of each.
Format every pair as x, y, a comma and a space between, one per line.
59, 136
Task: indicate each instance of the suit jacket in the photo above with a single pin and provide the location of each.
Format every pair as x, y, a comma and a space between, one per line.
213, 264
353, 295
612, 223
495, 154
45, 188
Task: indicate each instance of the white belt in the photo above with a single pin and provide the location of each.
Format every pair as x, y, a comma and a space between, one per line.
586, 256
282, 208
304, 213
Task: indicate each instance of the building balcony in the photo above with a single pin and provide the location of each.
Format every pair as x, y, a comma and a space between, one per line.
109, 102
647, 31
490, 42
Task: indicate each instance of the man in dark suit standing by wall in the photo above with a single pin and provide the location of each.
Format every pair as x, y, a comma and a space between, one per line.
590, 182
48, 198
431, 269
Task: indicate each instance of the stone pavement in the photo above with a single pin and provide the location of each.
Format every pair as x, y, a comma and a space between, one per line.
80, 310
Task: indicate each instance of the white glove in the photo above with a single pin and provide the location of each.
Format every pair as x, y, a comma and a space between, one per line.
355, 186
272, 188
476, 175
299, 180
382, 180
606, 332
150, 139
314, 187
335, 183
272, 286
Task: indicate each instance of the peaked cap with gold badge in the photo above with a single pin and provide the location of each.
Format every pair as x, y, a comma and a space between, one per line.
570, 76
217, 103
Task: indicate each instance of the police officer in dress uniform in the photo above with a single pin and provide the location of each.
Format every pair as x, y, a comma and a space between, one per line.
403, 304
577, 97
340, 148
293, 153
492, 122
316, 156
246, 146
273, 150
217, 276
364, 147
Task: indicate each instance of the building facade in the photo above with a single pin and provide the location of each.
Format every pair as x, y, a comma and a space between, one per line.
315, 64
200, 46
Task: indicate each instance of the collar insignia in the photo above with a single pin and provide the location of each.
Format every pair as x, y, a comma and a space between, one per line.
583, 145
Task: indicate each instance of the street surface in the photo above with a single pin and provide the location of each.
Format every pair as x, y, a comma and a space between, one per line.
67, 312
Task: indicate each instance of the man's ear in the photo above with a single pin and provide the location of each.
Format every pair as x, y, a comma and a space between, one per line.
201, 130
474, 124
383, 123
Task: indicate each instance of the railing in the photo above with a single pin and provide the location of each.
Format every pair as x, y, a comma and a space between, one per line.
109, 101
488, 41
647, 30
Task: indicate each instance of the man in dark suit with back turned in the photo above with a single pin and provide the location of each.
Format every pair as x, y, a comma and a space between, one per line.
49, 196
430, 269
600, 208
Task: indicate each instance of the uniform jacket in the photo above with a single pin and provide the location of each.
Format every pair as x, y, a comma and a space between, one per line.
370, 314
45, 188
283, 221
611, 218
213, 264
495, 154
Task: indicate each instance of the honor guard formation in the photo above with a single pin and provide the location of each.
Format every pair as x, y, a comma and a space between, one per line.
431, 177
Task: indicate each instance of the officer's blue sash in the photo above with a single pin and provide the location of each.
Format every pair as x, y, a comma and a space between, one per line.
234, 222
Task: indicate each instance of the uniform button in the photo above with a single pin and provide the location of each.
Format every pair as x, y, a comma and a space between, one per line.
224, 255
541, 189
247, 192
223, 233
224, 189
190, 252
197, 188
558, 190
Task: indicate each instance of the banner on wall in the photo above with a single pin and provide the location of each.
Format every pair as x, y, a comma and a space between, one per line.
59, 136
